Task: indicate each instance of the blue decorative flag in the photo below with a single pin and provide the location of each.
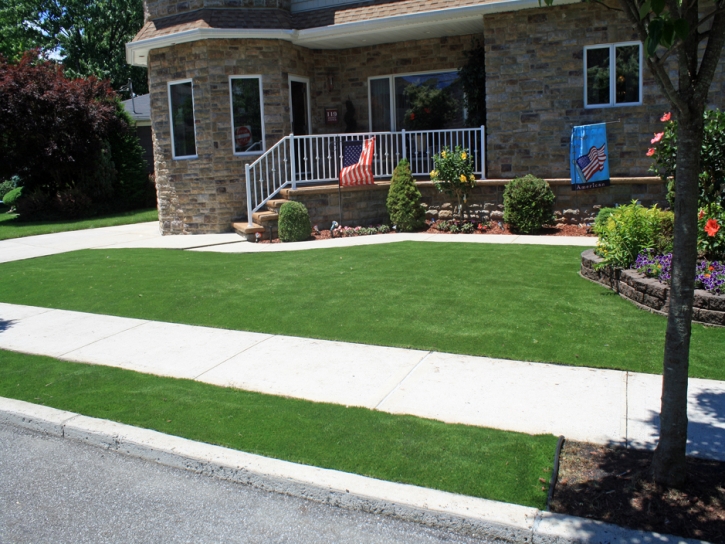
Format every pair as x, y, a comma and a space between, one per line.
589, 157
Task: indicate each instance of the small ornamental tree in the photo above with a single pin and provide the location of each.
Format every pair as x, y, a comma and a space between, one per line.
453, 175
403, 201
712, 157
61, 137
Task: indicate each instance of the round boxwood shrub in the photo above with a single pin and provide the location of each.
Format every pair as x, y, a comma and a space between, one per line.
528, 204
294, 222
403, 201
10, 198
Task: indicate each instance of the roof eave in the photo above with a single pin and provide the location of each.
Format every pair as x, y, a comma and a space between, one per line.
360, 33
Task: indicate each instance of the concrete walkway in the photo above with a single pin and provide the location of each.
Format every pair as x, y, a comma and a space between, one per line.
147, 235
601, 406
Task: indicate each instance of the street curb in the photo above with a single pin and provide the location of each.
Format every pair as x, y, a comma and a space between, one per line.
501, 522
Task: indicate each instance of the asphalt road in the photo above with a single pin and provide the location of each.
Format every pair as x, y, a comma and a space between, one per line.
56, 490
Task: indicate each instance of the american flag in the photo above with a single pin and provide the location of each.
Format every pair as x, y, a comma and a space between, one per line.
592, 162
357, 162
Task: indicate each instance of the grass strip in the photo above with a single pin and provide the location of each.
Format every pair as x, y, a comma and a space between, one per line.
474, 461
10, 227
509, 301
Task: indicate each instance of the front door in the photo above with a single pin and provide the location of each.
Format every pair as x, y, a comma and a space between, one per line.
299, 106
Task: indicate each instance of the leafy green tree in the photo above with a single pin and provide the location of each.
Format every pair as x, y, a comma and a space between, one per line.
89, 37
692, 35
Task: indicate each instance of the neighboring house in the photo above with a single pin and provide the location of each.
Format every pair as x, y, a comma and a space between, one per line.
239, 75
140, 111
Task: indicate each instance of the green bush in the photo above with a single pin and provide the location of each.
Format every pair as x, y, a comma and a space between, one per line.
12, 197
630, 230
8, 185
528, 204
403, 201
294, 222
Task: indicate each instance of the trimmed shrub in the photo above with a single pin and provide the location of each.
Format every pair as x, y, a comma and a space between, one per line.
630, 230
8, 185
528, 204
294, 222
12, 197
403, 201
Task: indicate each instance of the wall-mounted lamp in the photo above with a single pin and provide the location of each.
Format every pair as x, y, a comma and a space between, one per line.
330, 83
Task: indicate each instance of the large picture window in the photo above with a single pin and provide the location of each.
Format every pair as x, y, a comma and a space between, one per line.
181, 108
247, 114
425, 101
613, 75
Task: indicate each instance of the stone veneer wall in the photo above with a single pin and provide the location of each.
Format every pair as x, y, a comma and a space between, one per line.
205, 194
363, 206
535, 92
650, 294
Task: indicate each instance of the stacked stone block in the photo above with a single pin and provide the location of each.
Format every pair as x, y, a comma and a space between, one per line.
649, 293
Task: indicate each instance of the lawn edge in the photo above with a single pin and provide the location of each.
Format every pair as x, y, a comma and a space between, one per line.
467, 515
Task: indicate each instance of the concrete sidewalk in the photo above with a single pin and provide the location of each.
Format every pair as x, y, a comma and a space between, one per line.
601, 406
147, 235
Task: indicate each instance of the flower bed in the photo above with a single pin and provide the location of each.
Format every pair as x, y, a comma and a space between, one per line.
649, 293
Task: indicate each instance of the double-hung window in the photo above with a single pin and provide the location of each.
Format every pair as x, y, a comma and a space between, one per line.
613, 75
245, 96
181, 114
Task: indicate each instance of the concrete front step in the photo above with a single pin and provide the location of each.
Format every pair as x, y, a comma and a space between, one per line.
276, 203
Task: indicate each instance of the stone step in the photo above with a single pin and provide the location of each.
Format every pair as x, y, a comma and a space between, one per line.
243, 228
264, 216
276, 203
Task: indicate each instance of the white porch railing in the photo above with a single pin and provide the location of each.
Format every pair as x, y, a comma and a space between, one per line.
318, 158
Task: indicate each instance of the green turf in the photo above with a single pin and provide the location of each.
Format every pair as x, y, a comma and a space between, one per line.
509, 301
10, 227
474, 461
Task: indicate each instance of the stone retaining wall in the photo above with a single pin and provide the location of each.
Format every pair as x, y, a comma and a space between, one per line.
649, 293
363, 206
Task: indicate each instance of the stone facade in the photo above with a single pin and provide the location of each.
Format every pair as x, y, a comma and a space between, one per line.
364, 206
650, 294
204, 194
535, 92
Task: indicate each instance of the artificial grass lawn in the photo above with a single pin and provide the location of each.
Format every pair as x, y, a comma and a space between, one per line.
475, 461
10, 227
509, 301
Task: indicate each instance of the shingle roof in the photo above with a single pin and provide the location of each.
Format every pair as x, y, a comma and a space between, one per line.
215, 18
374, 9
262, 18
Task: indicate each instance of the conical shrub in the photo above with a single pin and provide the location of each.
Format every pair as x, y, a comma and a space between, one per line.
403, 201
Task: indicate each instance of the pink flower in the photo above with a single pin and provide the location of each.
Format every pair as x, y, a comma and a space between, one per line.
657, 137
711, 227
701, 214
666, 117
650, 151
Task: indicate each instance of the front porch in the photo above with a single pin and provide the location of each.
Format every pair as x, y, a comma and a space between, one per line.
316, 160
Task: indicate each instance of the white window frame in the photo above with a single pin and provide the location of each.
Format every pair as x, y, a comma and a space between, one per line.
258, 77
613, 75
171, 119
391, 86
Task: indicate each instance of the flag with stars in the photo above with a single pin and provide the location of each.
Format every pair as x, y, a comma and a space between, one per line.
589, 157
357, 162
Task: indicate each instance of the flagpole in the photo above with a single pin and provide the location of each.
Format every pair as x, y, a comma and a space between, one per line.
339, 199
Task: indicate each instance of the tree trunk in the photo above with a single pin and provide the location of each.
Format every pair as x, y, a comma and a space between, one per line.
668, 465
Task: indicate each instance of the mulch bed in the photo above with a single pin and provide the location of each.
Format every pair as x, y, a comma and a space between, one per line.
614, 485
559, 230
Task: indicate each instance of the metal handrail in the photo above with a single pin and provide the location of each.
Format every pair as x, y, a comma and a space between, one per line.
317, 158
